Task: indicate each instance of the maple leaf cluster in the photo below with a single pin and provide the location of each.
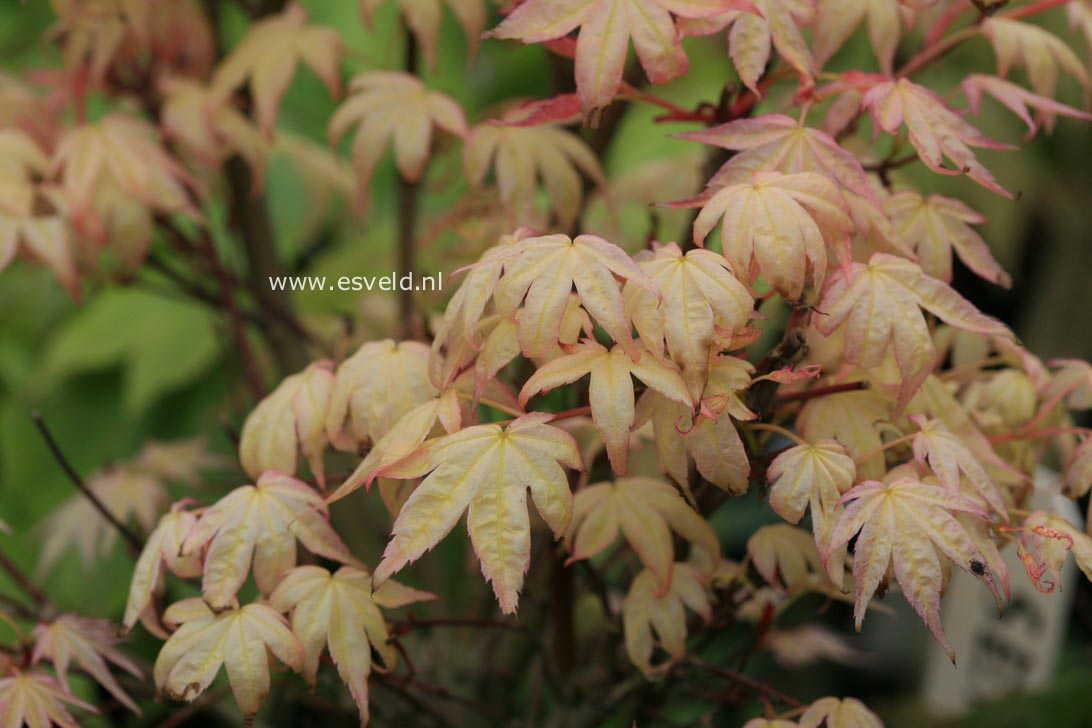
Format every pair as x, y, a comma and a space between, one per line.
585, 398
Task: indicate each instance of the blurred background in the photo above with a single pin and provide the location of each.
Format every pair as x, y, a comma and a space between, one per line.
136, 363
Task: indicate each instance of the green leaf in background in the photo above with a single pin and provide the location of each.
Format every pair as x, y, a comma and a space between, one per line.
161, 344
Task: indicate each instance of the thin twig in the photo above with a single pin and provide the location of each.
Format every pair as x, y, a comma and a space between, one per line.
41, 601
134, 541
816, 392
754, 685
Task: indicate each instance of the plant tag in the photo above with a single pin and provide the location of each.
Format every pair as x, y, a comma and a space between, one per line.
1016, 653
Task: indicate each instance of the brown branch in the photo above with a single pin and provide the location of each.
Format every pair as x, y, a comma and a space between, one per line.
9, 567
816, 392
754, 685
410, 323
412, 622
250, 217
134, 541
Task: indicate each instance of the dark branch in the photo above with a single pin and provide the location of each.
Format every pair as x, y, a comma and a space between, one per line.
134, 541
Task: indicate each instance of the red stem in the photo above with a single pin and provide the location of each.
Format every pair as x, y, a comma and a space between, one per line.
1036, 434
1033, 8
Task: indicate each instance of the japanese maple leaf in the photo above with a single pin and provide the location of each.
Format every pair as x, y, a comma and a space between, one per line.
654, 618
239, 638
260, 523
123, 151
1018, 100
646, 510
292, 417
906, 525
1046, 541
130, 494
459, 327
835, 713
611, 389
43, 237
877, 303
777, 23
340, 611
486, 470
934, 227
34, 699
268, 55
702, 300
162, 550
401, 440
711, 439
93, 35
934, 129
1078, 470
520, 156
606, 27
814, 475
422, 18
391, 108
779, 224
89, 644
374, 388
210, 127
540, 273
835, 21
950, 460
1024, 45
779, 143
787, 558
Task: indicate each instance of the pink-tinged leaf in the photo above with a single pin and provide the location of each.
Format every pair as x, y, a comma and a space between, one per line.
778, 143
606, 28
560, 109
779, 225
873, 301
934, 227
935, 130
908, 525
1016, 99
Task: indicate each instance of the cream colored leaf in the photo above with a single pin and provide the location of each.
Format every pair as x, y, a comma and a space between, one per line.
779, 225
611, 389
375, 388
237, 638
395, 109
779, 143
261, 524
654, 618
292, 417
486, 471
520, 156
787, 558
543, 271
908, 525
702, 300
936, 131
646, 510
835, 713
340, 611
267, 57
162, 549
